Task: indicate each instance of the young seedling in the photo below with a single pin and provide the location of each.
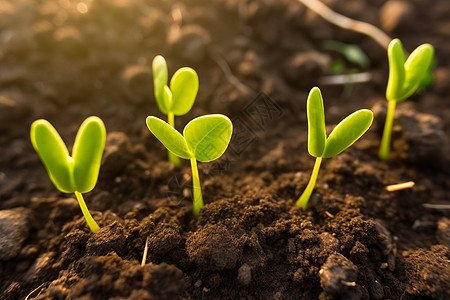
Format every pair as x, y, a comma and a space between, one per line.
405, 77
77, 173
320, 146
204, 139
176, 100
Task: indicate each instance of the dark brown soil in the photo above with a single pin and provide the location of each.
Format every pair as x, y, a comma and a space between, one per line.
66, 60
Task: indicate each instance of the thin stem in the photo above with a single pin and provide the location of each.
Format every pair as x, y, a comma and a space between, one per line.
144, 256
175, 160
342, 21
386, 139
304, 198
87, 215
436, 206
171, 119
26, 298
344, 79
198, 198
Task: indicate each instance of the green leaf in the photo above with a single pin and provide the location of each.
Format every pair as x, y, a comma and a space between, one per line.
356, 55
406, 77
352, 53
160, 77
87, 153
208, 136
347, 132
184, 87
417, 66
169, 137
53, 154
316, 123
396, 79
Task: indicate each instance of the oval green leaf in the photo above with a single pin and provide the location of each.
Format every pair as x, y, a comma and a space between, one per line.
87, 153
208, 136
347, 132
160, 78
169, 137
316, 123
396, 79
416, 68
184, 86
53, 154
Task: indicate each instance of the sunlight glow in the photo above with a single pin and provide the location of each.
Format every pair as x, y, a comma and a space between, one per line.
82, 7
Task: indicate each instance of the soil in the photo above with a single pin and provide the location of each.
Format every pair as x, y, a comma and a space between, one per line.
257, 60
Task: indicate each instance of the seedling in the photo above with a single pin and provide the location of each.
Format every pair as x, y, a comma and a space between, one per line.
343, 136
204, 139
343, 73
176, 100
352, 53
405, 77
77, 173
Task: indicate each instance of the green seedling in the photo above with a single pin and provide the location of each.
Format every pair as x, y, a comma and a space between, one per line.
320, 146
176, 100
204, 139
352, 53
77, 173
405, 77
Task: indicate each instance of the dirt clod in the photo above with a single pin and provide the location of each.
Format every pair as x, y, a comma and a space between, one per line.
338, 277
14, 228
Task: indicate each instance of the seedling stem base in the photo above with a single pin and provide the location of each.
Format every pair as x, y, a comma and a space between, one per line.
386, 139
304, 198
91, 222
198, 198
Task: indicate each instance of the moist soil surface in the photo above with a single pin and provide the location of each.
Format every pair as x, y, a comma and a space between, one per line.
257, 60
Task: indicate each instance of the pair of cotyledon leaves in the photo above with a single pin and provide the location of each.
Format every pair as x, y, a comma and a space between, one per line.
343, 135
71, 173
204, 138
180, 97
405, 77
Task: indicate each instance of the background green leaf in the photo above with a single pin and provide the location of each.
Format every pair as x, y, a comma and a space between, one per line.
53, 154
169, 137
316, 123
184, 86
347, 132
396, 58
208, 136
160, 78
87, 153
352, 53
417, 66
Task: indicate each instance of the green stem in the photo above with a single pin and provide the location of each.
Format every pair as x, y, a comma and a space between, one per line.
198, 198
175, 160
386, 139
304, 198
87, 215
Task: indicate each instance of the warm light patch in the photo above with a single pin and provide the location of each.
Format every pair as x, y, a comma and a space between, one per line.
82, 7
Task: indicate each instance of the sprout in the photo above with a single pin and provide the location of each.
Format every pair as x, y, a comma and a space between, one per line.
343, 136
179, 98
204, 139
405, 77
77, 173
352, 53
